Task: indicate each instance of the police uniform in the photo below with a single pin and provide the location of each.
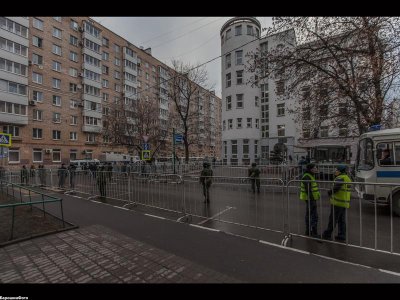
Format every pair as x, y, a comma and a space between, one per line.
309, 193
206, 180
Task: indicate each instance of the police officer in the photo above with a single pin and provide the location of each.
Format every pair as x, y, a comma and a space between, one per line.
340, 201
206, 180
254, 174
309, 193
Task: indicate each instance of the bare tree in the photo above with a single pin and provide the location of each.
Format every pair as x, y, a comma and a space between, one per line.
185, 92
342, 70
127, 122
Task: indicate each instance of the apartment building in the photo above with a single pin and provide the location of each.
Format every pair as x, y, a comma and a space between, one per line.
61, 76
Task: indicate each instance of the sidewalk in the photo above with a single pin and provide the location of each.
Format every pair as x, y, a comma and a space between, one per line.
97, 254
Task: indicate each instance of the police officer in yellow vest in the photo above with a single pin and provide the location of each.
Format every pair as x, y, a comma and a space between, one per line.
309, 193
340, 200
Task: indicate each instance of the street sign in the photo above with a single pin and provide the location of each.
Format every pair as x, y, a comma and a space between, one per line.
178, 138
146, 155
146, 146
3, 152
5, 139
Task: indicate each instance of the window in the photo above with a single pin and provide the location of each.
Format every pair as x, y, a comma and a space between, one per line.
13, 156
116, 48
227, 61
13, 130
37, 133
37, 115
117, 62
56, 66
239, 100
256, 101
56, 155
250, 30
117, 75
239, 77
228, 102
56, 135
73, 40
37, 41
228, 80
57, 33
239, 57
343, 130
56, 50
56, 100
74, 25
73, 72
13, 67
73, 87
238, 123
342, 109
37, 96
225, 149
281, 130
255, 149
306, 113
238, 30
257, 123
105, 56
37, 155
280, 87
223, 125
249, 122
73, 103
38, 24
324, 131
91, 138
37, 59
74, 120
230, 124
105, 83
228, 34
105, 42
234, 148
37, 78
306, 133
117, 87
385, 154
58, 19
323, 110
73, 155
73, 56
73, 136
280, 109
56, 117
245, 148
56, 83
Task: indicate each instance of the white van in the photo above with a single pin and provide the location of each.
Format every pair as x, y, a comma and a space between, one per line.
80, 162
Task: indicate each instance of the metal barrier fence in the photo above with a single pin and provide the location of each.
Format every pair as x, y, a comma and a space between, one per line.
276, 208
23, 196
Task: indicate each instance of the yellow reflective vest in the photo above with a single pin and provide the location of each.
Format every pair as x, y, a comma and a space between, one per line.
314, 188
342, 197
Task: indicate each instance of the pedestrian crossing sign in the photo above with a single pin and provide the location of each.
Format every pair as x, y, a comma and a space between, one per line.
5, 139
146, 155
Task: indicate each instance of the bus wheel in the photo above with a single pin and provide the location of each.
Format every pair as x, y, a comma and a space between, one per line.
396, 204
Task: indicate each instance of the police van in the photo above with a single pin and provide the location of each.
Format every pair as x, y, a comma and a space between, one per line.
79, 163
372, 167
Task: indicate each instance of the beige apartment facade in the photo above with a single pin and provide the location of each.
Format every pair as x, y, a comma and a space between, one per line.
74, 72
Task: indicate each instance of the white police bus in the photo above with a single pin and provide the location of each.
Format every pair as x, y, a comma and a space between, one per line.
372, 168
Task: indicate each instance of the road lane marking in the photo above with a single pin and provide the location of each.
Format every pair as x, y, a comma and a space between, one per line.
389, 272
283, 247
216, 215
202, 227
154, 216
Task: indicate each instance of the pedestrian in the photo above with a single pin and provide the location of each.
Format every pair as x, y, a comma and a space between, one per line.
72, 173
24, 175
42, 175
206, 180
102, 182
62, 174
254, 174
109, 171
309, 192
340, 201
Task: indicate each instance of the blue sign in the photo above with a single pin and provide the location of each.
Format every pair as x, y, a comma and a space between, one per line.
178, 138
5, 139
146, 146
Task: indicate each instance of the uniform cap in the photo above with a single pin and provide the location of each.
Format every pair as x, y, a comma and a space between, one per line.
341, 168
310, 166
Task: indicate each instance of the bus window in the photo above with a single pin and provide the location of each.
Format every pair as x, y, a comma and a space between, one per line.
396, 157
384, 154
365, 158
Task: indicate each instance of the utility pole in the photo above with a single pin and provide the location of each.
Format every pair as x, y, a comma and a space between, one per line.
173, 148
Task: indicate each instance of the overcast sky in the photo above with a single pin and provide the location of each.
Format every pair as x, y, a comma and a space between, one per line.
193, 40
